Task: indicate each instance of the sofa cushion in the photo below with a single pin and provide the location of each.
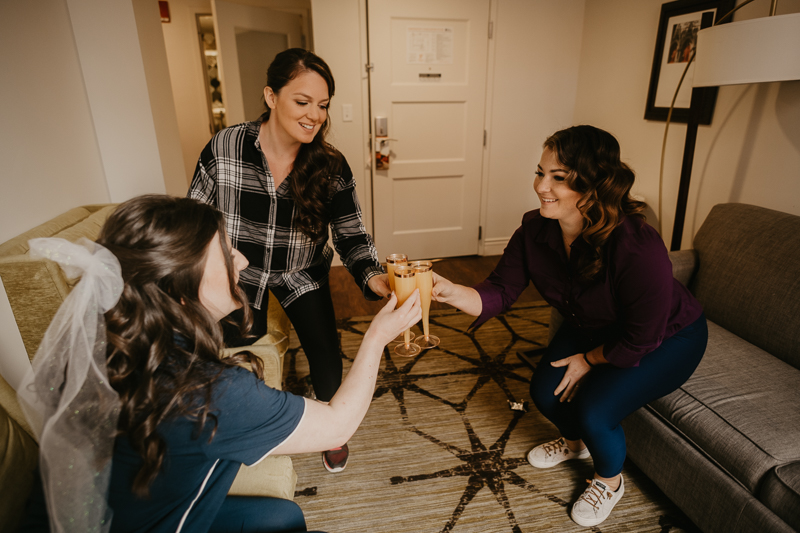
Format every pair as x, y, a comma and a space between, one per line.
781, 493
271, 357
748, 278
740, 407
19, 245
88, 227
35, 289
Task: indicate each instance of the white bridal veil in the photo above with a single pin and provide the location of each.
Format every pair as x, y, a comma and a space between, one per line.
66, 396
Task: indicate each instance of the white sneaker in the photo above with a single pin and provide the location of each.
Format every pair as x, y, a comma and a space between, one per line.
596, 503
554, 452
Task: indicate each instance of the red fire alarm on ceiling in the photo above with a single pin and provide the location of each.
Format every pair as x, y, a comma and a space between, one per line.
164, 8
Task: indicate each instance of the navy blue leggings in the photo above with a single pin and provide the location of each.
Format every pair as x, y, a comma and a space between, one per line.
240, 514
608, 394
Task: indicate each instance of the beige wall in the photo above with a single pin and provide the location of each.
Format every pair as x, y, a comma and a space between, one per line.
78, 119
751, 151
339, 39
113, 68
51, 160
532, 91
186, 75
159, 89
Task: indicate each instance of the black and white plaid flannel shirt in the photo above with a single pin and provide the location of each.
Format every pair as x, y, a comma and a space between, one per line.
232, 174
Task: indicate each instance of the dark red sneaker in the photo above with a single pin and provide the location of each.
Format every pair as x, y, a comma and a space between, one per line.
336, 459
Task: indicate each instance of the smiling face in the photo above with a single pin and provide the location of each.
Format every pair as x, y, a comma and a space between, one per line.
301, 106
215, 290
559, 202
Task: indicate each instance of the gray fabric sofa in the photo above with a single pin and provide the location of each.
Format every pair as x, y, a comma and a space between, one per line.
725, 447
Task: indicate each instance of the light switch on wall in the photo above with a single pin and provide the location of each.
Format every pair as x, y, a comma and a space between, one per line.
347, 112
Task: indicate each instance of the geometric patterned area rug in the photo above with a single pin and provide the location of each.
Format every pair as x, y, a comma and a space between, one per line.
442, 450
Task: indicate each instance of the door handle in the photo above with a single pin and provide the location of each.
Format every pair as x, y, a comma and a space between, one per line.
382, 151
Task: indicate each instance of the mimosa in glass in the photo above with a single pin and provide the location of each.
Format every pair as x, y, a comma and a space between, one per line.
405, 283
392, 261
424, 277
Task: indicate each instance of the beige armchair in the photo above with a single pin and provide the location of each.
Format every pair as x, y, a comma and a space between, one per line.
36, 288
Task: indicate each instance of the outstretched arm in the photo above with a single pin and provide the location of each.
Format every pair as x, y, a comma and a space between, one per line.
464, 298
327, 426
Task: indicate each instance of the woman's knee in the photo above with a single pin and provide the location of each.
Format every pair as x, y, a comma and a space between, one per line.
541, 392
594, 422
258, 514
289, 515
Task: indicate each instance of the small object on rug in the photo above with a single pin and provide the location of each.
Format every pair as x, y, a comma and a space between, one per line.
518, 406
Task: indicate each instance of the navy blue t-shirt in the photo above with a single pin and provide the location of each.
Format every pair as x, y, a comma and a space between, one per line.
253, 419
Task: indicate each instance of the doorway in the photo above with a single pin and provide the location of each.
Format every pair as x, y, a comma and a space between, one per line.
427, 84
248, 38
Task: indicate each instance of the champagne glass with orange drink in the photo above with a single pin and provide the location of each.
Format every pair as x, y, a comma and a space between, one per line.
405, 283
424, 282
392, 261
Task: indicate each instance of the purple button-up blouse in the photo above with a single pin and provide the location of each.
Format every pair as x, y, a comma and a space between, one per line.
634, 306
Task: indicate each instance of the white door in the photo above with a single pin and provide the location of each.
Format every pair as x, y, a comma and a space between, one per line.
428, 79
248, 37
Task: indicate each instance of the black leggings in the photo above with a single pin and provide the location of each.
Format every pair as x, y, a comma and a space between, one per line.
314, 322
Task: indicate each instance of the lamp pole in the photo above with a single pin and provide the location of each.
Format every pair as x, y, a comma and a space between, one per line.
701, 98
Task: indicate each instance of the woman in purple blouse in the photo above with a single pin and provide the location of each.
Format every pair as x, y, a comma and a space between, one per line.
631, 332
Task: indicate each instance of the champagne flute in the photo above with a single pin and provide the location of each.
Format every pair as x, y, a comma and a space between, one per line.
405, 284
424, 277
392, 261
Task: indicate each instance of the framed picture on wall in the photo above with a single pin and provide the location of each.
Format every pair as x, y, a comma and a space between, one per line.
675, 42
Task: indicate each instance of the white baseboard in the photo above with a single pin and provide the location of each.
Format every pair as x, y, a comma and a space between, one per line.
494, 246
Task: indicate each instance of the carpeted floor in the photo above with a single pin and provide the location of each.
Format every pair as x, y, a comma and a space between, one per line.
441, 449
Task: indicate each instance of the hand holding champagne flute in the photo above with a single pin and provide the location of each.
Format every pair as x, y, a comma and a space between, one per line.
405, 283
424, 277
393, 261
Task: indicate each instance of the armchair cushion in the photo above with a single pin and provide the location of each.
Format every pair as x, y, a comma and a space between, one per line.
274, 476
781, 493
684, 264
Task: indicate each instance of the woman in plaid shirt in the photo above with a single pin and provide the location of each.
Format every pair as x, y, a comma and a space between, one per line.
281, 186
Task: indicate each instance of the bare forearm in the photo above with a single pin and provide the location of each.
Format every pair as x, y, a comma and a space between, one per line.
466, 299
350, 403
326, 426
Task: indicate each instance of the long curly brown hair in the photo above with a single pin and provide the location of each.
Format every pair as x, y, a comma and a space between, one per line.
592, 157
316, 162
164, 348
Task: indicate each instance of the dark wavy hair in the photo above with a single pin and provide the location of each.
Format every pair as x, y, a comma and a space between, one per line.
317, 161
592, 157
164, 347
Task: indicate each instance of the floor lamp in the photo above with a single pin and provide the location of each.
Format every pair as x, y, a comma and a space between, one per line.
751, 51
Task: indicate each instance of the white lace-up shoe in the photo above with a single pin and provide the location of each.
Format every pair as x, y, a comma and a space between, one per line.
596, 503
554, 452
